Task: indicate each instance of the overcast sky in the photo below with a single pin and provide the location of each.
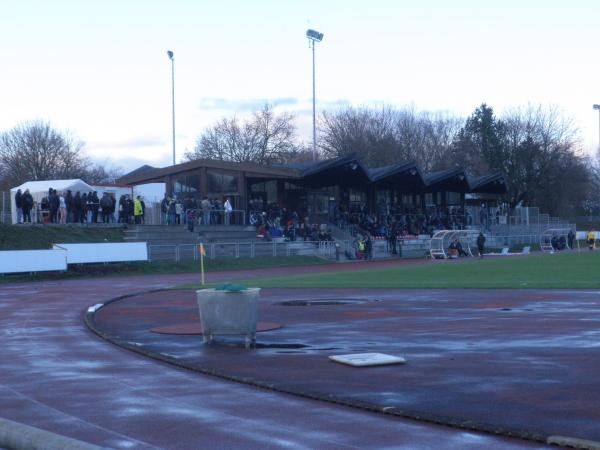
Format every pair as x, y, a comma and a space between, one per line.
100, 68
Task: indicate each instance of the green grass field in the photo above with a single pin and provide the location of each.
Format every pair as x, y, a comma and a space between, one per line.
568, 270
164, 267
40, 237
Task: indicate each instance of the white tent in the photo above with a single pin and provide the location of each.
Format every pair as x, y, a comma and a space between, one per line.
39, 190
150, 192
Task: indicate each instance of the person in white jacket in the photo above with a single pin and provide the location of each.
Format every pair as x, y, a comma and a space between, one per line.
228, 209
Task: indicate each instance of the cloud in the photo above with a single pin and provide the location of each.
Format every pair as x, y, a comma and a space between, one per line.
129, 143
252, 104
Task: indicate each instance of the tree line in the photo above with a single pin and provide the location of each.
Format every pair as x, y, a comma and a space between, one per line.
35, 150
535, 147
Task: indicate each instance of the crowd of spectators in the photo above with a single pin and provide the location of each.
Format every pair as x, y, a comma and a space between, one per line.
62, 207
404, 221
208, 211
274, 221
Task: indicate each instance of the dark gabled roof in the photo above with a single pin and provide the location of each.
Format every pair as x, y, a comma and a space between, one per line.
144, 169
489, 184
405, 175
329, 172
454, 180
252, 170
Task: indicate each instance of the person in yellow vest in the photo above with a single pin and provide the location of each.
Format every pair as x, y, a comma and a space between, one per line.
138, 211
591, 239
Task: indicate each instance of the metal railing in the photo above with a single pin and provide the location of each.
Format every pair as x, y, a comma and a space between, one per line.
218, 250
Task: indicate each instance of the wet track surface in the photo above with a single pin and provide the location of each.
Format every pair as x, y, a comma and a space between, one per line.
59, 376
522, 362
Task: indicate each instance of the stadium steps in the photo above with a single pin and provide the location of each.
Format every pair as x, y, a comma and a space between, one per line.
179, 234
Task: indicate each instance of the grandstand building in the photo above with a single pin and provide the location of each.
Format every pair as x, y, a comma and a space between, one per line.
323, 190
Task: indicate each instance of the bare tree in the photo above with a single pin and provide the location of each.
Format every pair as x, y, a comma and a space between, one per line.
264, 138
36, 151
386, 136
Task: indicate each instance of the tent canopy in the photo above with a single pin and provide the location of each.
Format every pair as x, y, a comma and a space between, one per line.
39, 190
38, 187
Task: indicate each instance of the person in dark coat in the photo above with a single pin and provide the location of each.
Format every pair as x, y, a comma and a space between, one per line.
54, 204
480, 244
69, 202
27, 201
19, 205
83, 208
77, 207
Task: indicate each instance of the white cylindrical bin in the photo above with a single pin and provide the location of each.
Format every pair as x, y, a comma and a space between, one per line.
228, 312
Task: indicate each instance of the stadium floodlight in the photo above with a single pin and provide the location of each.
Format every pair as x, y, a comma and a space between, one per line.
597, 108
171, 57
314, 36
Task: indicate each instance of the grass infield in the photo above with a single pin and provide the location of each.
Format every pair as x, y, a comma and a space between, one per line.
556, 271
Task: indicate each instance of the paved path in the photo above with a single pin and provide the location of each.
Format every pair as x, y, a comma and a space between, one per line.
56, 375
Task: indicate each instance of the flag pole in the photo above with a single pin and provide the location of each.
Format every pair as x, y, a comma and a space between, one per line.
202, 253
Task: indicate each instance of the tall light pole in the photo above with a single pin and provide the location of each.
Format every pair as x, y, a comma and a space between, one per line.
170, 54
597, 108
314, 36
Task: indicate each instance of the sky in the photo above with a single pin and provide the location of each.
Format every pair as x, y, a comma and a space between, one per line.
100, 71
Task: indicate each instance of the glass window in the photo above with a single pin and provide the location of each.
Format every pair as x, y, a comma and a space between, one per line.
453, 198
220, 183
357, 196
186, 184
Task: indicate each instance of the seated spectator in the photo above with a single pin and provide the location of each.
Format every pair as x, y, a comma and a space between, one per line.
452, 250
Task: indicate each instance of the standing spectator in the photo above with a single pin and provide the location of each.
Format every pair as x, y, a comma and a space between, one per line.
89, 207
105, 204
205, 205
54, 205
164, 209
137, 211
19, 205
69, 201
143, 209
62, 208
191, 218
368, 247
591, 239
480, 244
172, 212
113, 207
95, 206
76, 207
128, 209
482, 216
27, 204
122, 209
228, 209
83, 208
571, 239
178, 212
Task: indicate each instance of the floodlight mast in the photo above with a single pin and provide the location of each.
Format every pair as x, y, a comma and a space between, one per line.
314, 36
171, 57
597, 108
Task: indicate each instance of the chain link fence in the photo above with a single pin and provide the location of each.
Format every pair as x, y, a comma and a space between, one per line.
5, 214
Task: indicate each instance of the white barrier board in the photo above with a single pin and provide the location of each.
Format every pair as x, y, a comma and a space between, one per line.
367, 359
32, 260
583, 235
104, 252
